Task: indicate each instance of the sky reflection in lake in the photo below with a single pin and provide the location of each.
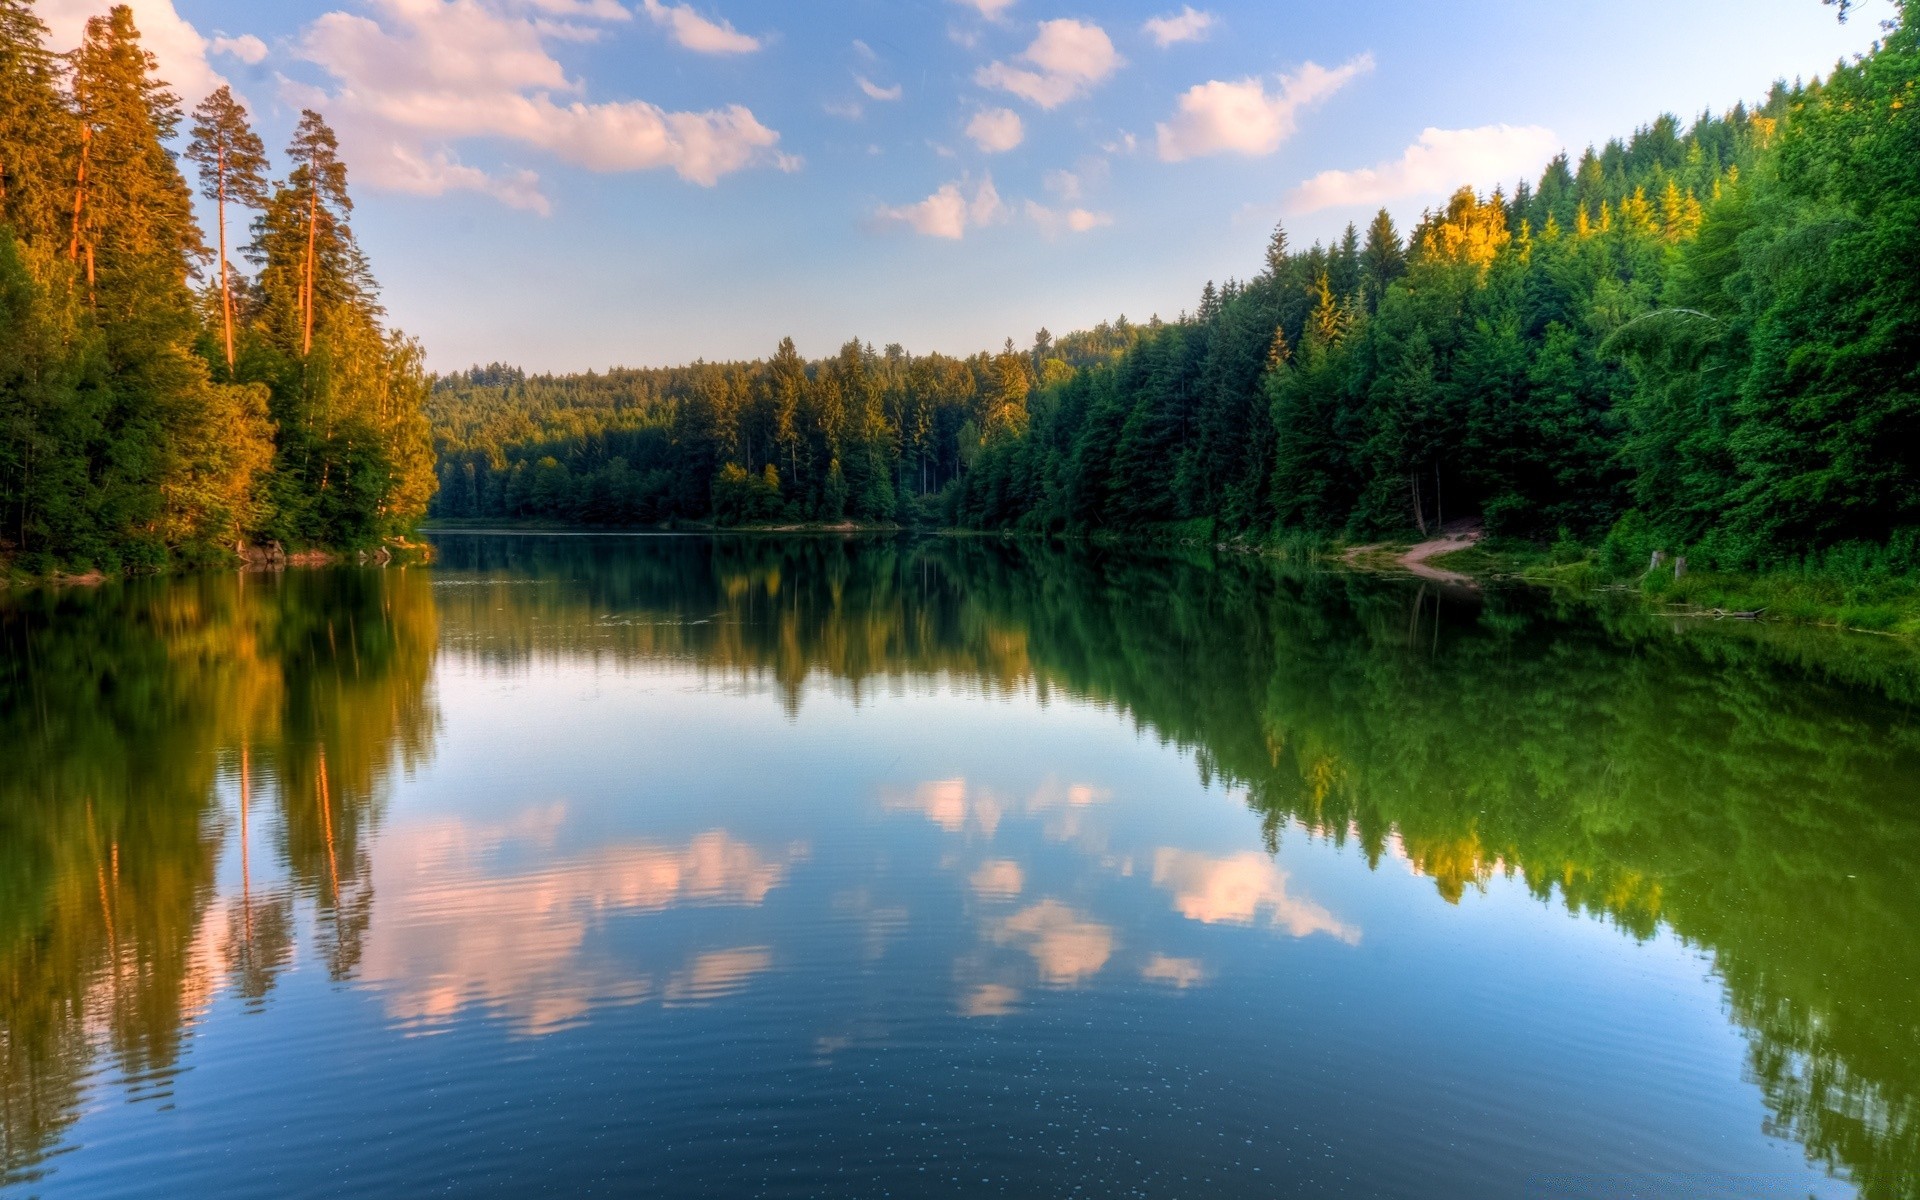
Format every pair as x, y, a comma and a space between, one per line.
816, 867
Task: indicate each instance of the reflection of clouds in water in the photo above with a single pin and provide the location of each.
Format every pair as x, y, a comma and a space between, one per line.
448, 935
950, 804
718, 974
958, 806
989, 1000
1069, 812
1067, 947
1238, 889
879, 924
1182, 973
998, 879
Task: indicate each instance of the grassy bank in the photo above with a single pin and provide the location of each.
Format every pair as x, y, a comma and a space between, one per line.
1835, 596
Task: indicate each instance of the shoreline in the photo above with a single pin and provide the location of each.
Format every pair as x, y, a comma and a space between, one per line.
254, 560
1459, 557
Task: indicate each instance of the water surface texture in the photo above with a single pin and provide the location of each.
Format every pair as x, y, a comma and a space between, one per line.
816, 867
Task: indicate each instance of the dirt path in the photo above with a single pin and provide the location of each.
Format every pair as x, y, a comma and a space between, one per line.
1417, 559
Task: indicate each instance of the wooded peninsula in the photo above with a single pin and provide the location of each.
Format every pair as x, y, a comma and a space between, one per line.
158, 406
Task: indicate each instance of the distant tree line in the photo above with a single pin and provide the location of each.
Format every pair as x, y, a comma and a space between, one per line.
1703, 337
866, 435
157, 403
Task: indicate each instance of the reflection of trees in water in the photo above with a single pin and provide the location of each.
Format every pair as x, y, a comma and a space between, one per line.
1751, 791
128, 714
1751, 794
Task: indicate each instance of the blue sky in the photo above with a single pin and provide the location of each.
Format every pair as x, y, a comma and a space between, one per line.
568, 184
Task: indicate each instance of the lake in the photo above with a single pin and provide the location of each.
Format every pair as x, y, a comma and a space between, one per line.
863, 867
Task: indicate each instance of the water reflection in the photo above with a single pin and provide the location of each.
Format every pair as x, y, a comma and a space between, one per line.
455, 931
129, 715
1242, 889
196, 791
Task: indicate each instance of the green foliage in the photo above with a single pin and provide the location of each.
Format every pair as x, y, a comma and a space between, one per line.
1703, 339
142, 424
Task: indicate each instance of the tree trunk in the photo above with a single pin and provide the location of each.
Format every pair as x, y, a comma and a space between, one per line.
226, 288
80, 191
313, 241
1439, 510
1419, 510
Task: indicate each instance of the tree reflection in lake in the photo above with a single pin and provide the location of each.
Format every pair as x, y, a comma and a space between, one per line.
127, 715
1751, 790
1751, 793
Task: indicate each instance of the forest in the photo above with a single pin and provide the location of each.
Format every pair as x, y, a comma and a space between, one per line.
160, 405
1702, 338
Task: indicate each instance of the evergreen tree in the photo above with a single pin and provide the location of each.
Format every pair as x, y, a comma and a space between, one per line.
233, 170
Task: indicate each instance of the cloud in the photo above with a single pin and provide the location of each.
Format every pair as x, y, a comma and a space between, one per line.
1439, 162
716, 975
948, 803
594, 10
1237, 890
949, 213
1243, 118
1066, 947
1069, 220
402, 169
698, 33
417, 77
173, 41
996, 130
1067, 60
989, 1000
247, 48
1187, 25
1071, 186
992, 10
1181, 973
875, 92
456, 932
999, 879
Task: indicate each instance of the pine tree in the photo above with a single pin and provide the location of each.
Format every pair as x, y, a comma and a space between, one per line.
35, 127
233, 167
1382, 260
319, 183
1277, 253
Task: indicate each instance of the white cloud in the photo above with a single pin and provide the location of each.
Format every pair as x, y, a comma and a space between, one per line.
1067, 60
593, 10
1243, 118
427, 74
992, 10
177, 46
1067, 947
846, 110
1067, 220
875, 92
1439, 162
698, 33
949, 213
1241, 890
996, 130
1087, 175
1187, 25
247, 48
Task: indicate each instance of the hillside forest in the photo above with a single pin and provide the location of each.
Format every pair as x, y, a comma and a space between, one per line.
1703, 337
159, 403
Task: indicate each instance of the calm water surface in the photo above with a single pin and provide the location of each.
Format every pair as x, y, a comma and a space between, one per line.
839, 868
